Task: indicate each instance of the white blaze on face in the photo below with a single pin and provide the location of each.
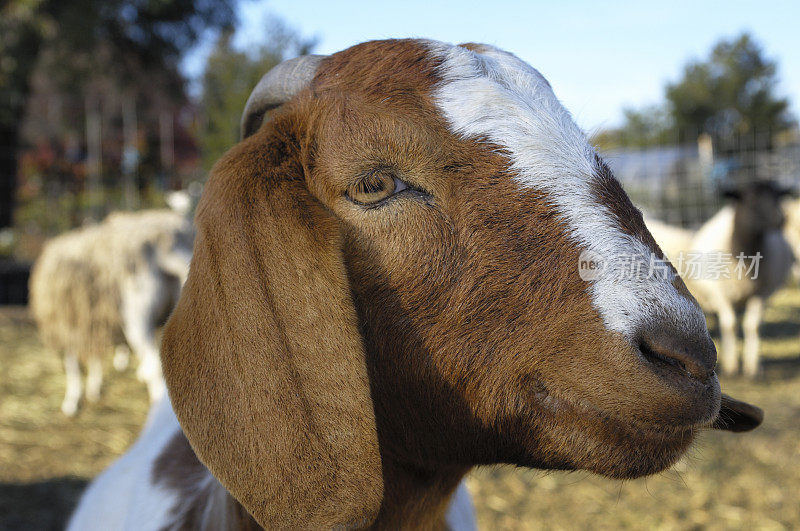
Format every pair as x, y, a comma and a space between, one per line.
495, 95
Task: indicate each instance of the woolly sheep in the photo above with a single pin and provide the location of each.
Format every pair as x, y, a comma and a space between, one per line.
111, 284
792, 232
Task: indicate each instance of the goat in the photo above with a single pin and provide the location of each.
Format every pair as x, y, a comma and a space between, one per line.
385, 293
97, 287
750, 227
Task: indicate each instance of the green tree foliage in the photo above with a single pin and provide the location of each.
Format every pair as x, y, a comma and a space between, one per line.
230, 76
76, 42
649, 126
21, 35
732, 92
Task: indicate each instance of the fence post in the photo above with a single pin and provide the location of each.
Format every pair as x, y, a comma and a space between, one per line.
130, 151
94, 161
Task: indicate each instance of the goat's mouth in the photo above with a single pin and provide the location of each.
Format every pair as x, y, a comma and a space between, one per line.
613, 443
691, 388
556, 403
607, 444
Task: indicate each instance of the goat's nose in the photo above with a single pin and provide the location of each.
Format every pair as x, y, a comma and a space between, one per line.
691, 353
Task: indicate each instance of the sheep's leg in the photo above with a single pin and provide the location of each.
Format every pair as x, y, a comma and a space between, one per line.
72, 394
751, 324
94, 379
141, 337
122, 357
140, 299
728, 359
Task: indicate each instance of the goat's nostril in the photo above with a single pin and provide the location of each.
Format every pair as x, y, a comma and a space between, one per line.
654, 355
695, 358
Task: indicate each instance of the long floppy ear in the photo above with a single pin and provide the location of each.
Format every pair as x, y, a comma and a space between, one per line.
262, 356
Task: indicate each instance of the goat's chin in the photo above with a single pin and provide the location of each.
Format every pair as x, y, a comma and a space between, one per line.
627, 453
642, 456
577, 437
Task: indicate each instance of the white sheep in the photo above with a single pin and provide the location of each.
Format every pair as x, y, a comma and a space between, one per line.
105, 287
715, 265
385, 293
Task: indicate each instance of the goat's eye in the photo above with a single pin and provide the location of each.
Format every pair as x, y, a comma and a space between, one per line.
374, 188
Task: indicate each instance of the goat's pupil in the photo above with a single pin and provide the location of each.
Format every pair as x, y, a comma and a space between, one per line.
372, 185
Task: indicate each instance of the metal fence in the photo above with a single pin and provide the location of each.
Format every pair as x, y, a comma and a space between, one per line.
683, 184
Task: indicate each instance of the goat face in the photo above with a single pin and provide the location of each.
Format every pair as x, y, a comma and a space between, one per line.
445, 196
483, 340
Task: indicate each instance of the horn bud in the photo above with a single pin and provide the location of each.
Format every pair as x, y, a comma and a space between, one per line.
276, 87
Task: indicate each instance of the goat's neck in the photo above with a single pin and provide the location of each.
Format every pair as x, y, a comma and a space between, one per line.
413, 499
416, 498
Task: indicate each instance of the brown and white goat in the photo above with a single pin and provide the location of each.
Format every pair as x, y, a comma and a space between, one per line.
385, 293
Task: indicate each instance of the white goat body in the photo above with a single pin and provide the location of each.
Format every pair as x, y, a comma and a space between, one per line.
792, 231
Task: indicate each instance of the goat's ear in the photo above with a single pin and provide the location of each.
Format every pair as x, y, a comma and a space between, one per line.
263, 359
735, 415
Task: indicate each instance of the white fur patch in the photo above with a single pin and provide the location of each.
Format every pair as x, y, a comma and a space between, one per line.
495, 95
124, 496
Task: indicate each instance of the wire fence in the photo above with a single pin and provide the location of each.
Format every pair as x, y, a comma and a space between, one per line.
682, 184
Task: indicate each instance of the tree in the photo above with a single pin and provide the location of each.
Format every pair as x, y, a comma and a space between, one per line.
229, 78
21, 35
133, 42
649, 126
732, 92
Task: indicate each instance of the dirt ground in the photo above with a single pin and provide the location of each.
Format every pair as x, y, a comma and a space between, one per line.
727, 481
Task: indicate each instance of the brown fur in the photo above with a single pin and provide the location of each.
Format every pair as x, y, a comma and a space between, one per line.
264, 349
340, 365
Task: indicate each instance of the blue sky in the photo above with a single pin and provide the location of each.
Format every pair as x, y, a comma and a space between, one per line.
599, 56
